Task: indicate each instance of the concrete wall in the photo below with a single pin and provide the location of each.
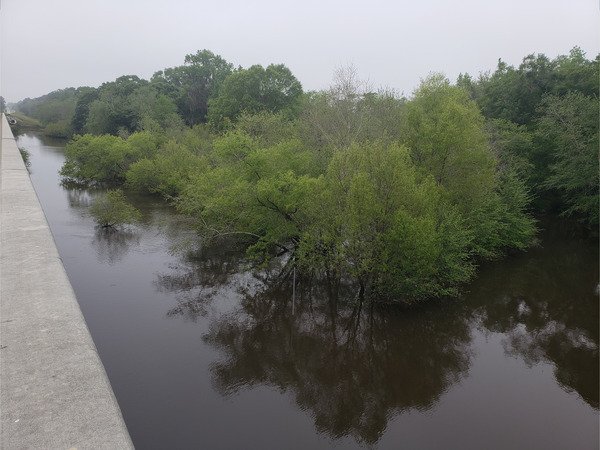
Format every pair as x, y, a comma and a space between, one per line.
54, 392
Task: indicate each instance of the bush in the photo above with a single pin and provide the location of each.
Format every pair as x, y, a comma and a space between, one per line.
112, 210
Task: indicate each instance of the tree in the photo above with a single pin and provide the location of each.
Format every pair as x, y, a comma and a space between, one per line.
372, 218
115, 107
449, 141
86, 96
446, 134
255, 90
574, 72
106, 158
112, 210
250, 192
569, 125
166, 172
348, 113
338, 117
192, 85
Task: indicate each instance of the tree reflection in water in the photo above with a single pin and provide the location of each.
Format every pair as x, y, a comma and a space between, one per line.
197, 280
112, 245
352, 368
547, 308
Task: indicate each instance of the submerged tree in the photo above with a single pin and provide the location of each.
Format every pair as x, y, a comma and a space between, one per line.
112, 210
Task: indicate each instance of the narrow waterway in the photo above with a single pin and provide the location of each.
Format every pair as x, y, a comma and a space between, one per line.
202, 353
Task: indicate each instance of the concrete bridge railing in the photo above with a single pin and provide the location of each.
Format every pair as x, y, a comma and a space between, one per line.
54, 392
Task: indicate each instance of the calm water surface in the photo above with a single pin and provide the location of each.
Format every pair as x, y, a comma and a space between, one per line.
204, 354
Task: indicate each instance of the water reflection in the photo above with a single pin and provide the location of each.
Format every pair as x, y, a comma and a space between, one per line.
113, 245
200, 276
351, 368
547, 309
79, 198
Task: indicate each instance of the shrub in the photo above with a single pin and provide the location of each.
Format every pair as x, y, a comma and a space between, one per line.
112, 210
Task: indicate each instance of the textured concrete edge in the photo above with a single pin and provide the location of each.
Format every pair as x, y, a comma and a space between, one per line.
54, 391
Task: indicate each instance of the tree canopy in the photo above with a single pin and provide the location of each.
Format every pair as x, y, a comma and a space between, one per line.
403, 196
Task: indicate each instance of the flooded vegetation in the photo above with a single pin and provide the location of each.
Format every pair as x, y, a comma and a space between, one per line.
201, 350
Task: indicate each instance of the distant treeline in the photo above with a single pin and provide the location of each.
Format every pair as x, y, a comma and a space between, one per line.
403, 195
205, 89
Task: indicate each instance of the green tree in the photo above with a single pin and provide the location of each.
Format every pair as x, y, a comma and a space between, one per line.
60, 129
86, 96
112, 210
192, 85
569, 125
167, 172
117, 107
59, 107
254, 90
106, 158
574, 72
374, 219
448, 139
349, 112
446, 134
250, 192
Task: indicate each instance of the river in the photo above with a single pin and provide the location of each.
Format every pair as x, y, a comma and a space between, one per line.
202, 353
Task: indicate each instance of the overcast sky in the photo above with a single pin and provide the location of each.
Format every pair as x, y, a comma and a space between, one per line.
54, 44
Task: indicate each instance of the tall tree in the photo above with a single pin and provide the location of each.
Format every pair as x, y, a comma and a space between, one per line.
569, 125
449, 141
274, 89
446, 134
194, 84
350, 112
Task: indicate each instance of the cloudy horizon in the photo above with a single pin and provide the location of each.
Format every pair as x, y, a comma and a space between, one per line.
47, 46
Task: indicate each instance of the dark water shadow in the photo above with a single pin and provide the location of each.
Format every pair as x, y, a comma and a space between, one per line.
113, 244
350, 367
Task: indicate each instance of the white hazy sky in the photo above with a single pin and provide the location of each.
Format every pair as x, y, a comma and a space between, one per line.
54, 44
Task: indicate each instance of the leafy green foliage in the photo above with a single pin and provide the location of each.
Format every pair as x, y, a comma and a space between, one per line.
26, 156
447, 138
192, 85
104, 158
274, 89
403, 196
373, 219
350, 112
249, 192
167, 172
570, 126
52, 107
112, 210
535, 129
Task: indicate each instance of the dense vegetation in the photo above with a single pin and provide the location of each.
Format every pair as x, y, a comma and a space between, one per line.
402, 195
112, 210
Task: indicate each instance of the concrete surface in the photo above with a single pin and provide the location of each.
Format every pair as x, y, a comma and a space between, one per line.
54, 392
